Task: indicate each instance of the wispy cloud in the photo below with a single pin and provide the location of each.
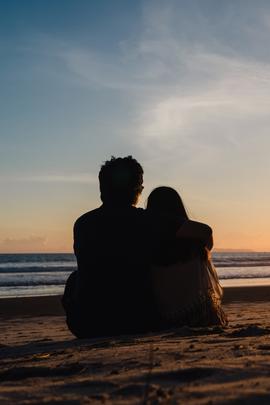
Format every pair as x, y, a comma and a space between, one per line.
181, 91
50, 178
238, 91
26, 244
194, 94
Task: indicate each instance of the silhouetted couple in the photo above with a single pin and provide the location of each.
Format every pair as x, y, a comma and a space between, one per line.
140, 270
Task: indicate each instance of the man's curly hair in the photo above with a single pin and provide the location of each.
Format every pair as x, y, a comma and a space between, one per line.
121, 180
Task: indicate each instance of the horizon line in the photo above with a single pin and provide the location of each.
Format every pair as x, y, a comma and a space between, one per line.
229, 250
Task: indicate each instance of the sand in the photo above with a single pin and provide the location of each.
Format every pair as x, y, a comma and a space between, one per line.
41, 362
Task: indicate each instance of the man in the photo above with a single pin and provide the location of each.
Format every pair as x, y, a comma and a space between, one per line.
111, 291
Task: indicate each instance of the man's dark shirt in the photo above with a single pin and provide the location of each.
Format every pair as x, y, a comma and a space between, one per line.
112, 246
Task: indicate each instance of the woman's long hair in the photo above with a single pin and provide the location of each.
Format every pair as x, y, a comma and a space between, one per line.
166, 200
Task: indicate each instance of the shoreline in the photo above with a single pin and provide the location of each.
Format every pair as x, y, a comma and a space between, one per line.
50, 305
256, 293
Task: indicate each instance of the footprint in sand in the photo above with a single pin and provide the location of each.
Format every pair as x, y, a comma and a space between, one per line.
184, 375
249, 331
22, 373
91, 387
264, 347
130, 390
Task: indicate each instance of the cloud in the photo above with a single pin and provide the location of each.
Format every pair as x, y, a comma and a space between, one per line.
238, 92
188, 86
31, 243
181, 90
207, 99
50, 178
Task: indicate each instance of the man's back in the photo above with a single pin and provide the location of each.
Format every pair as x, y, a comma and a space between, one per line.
112, 255
107, 234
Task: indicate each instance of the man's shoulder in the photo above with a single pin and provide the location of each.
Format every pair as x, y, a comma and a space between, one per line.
101, 214
87, 217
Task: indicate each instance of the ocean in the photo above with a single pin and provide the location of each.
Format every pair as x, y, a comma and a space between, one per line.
45, 274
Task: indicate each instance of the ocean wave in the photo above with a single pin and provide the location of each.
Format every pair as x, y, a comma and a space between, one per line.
243, 276
37, 269
241, 263
33, 279
32, 283
36, 257
67, 261
226, 273
50, 268
241, 259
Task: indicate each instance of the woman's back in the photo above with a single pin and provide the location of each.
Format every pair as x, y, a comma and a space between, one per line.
186, 293
185, 285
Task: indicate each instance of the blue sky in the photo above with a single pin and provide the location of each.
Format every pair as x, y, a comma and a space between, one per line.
183, 86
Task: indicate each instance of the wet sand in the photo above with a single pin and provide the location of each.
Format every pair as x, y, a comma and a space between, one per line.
41, 362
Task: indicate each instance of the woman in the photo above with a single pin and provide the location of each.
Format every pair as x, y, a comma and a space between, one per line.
185, 283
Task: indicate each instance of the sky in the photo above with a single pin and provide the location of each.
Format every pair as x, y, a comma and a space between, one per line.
183, 86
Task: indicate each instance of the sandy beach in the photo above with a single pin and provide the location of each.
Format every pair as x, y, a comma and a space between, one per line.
41, 362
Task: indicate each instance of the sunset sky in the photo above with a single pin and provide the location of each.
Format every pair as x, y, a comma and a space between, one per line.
183, 86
